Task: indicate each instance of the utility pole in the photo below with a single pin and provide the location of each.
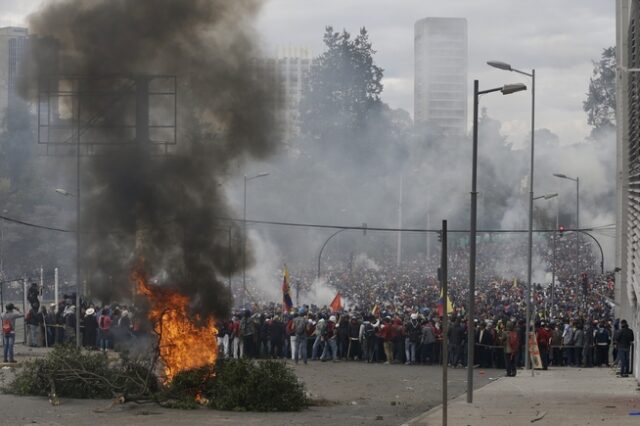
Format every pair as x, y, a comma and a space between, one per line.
399, 249
445, 322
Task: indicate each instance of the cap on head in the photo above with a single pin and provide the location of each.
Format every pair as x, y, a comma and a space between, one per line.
414, 316
332, 318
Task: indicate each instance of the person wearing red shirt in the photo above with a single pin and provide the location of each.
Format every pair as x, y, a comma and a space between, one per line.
387, 333
543, 336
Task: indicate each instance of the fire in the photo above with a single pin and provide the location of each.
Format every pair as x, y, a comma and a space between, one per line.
184, 343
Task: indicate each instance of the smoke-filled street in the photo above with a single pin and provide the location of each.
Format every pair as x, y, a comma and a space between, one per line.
348, 212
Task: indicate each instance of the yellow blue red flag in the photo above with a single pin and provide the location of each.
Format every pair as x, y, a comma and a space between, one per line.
287, 303
441, 304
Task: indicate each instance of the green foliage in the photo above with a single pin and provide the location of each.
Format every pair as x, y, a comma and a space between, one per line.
232, 388
181, 392
600, 104
238, 385
73, 373
343, 86
342, 118
275, 388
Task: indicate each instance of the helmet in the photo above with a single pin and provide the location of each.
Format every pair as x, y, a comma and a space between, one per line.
414, 316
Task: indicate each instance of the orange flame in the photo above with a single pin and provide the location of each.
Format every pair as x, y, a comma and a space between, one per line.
184, 343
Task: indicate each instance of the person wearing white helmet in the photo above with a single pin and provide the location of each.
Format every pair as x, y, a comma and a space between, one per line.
412, 332
330, 339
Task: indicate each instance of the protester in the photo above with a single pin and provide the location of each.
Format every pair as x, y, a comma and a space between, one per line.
9, 330
623, 340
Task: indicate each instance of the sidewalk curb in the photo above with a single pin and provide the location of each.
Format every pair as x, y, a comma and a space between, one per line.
427, 414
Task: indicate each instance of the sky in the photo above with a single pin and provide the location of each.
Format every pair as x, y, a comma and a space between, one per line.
557, 38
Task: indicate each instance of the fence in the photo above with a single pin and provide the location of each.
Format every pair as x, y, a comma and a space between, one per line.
51, 290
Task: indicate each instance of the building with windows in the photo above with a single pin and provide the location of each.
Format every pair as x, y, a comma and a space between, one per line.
628, 167
440, 81
289, 71
14, 42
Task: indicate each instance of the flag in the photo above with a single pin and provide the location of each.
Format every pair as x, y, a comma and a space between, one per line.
336, 304
441, 304
376, 310
287, 304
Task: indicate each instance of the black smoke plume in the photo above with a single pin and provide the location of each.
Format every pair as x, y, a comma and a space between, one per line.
162, 208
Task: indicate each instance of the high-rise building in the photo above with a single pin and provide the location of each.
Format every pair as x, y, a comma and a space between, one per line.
440, 82
14, 42
289, 71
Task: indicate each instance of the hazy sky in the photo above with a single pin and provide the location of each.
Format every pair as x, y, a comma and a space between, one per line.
558, 38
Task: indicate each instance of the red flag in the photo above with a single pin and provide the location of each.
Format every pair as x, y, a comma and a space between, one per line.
336, 304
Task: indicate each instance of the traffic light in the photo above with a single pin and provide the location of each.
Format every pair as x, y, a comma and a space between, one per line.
561, 231
440, 236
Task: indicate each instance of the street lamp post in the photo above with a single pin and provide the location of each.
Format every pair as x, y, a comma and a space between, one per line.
506, 90
577, 181
532, 74
66, 193
244, 234
553, 267
324, 245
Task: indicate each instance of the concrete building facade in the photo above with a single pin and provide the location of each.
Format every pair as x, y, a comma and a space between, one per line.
628, 168
14, 44
440, 81
289, 70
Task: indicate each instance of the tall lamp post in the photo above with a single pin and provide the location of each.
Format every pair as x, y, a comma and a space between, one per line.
66, 193
577, 181
507, 67
244, 233
506, 90
553, 268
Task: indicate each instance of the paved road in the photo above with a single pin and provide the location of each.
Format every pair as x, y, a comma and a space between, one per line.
351, 393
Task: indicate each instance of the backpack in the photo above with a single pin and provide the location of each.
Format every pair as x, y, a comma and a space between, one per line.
6, 326
301, 328
369, 331
103, 323
514, 342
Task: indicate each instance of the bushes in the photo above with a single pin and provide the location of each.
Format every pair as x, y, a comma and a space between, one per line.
72, 373
241, 385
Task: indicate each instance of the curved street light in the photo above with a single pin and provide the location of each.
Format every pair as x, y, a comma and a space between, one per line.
546, 196
507, 67
324, 245
507, 89
577, 181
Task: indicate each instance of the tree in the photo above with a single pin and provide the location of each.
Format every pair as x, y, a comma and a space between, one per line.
600, 104
343, 86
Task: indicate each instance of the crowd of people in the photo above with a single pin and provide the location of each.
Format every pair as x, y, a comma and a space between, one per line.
104, 328
394, 315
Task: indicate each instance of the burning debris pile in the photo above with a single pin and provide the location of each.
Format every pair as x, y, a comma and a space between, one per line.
139, 201
184, 343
